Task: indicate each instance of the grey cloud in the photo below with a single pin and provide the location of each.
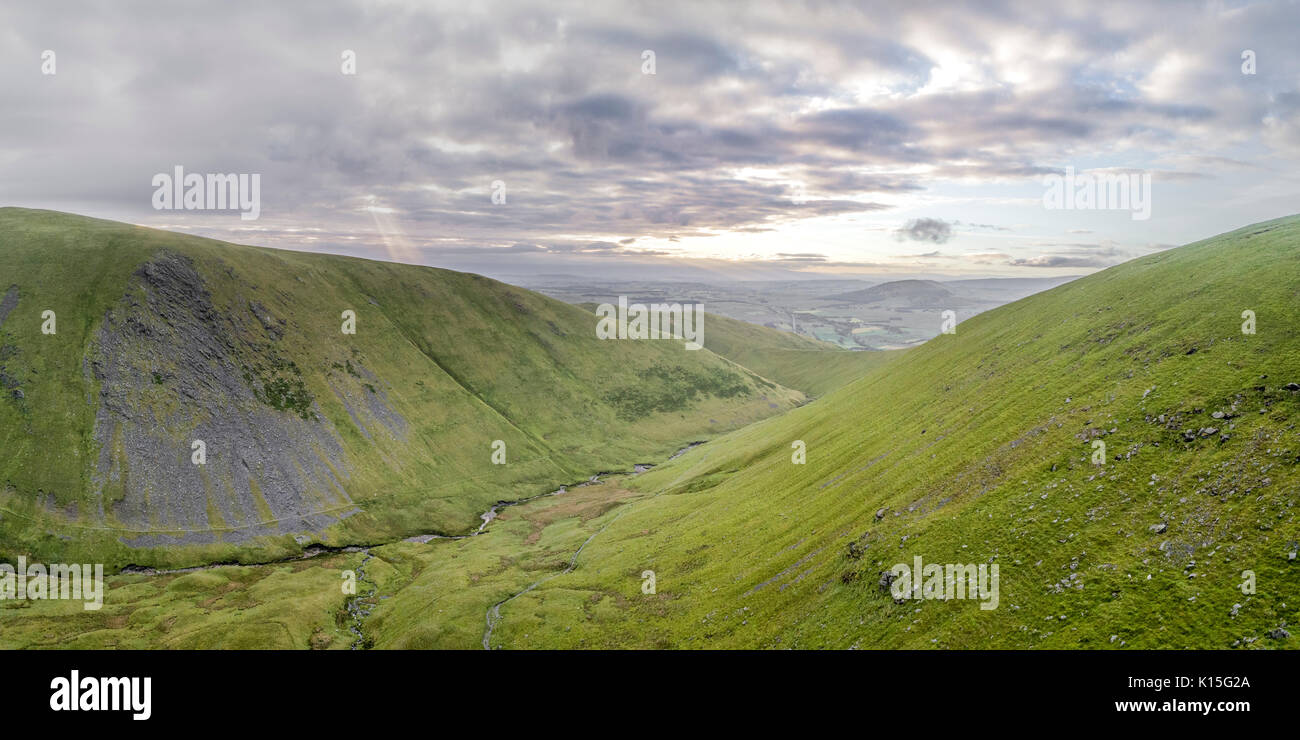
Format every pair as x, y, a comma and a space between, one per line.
926, 230
1060, 260
549, 97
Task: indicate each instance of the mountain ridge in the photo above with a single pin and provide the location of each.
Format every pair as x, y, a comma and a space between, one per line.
173, 339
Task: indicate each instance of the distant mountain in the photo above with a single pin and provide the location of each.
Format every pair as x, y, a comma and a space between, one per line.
905, 294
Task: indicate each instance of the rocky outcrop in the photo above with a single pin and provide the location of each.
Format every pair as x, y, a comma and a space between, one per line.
172, 370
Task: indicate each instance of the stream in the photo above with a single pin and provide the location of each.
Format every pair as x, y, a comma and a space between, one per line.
359, 606
494, 611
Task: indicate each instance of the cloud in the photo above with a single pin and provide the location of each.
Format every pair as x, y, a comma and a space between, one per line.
925, 230
990, 227
869, 108
1060, 260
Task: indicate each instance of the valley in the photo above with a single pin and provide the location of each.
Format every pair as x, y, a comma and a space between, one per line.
978, 447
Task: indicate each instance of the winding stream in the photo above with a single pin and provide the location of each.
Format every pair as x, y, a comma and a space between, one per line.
360, 606
494, 611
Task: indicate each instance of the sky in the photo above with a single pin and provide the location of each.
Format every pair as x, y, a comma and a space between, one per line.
756, 140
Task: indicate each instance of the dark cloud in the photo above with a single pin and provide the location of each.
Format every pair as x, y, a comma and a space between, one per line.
925, 230
858, 130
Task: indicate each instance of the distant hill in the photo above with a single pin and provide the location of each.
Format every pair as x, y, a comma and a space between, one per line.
905, 294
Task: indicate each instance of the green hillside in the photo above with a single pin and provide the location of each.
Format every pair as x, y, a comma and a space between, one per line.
311, 434
974, 448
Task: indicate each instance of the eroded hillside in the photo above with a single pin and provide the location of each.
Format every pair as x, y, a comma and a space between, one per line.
195, 400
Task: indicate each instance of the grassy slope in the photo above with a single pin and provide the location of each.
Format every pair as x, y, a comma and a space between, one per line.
978, 446
465, 360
